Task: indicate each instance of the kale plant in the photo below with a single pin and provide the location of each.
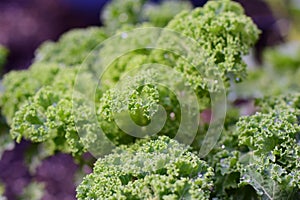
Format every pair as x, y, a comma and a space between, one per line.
150, 104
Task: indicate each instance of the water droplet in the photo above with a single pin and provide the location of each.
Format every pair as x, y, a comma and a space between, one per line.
172, 115
124, 35
245, 179
182, 93
276, 120
224, 164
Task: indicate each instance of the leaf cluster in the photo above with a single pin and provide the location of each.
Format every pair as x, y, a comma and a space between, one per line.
148, 169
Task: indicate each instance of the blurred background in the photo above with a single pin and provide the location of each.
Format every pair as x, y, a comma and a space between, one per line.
24, 25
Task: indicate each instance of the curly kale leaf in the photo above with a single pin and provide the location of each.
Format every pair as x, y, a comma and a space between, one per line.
142, 99
272, 137
273, 140
223, 31
20, 85
155, 169
286, 102
72, 48
37, 102
232, 35
47, 116
51, 117
120, 12
260, 154
266, 187
160, 14
132, 12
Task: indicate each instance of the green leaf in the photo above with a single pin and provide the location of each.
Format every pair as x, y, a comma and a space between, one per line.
148, 169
